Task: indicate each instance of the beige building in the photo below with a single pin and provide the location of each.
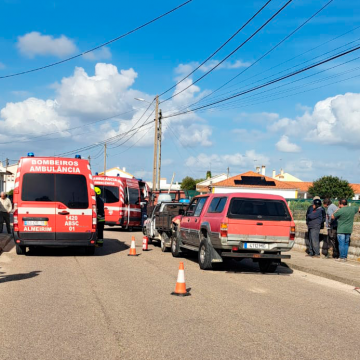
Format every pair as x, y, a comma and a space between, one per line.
116, 171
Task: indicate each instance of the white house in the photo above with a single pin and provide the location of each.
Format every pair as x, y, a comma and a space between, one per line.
164, 185
203, 186
116, 171
7, 177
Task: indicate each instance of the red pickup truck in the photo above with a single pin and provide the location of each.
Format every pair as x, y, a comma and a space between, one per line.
236, 225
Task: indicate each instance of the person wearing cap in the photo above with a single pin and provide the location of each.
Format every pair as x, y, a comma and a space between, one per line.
314, 220
345, 218
310, 210
100, 216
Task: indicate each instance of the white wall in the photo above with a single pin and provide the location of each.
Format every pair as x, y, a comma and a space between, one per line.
114, 172
287, 194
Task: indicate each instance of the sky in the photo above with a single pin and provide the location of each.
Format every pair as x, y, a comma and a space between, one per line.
307, 124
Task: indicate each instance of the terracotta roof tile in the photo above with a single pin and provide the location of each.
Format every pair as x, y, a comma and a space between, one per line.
356, 188
230, 182
302, 185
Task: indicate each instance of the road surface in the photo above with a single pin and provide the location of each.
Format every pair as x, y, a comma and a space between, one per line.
60, 304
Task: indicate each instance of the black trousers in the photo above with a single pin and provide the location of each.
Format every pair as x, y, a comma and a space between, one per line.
100, 230
331, 244
4, 216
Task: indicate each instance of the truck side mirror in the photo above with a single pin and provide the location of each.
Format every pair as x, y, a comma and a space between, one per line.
181, 212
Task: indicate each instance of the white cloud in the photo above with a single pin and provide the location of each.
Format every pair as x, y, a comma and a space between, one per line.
103, 53
194, 135
284, 145
334, 120
220, 162
2, 66
21, 93
184, 69
32, 117
34, 43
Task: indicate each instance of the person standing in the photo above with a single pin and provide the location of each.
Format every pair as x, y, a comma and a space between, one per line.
314, 220
331, 245
100, 207
5, 209
310, 209
345, 218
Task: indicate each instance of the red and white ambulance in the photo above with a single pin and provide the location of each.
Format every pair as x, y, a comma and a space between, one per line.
54, 203
124, 200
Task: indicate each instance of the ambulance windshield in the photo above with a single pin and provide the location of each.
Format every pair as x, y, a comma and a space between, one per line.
70, 190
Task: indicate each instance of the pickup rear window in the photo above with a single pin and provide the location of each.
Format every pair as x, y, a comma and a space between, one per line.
69, 189
258, 209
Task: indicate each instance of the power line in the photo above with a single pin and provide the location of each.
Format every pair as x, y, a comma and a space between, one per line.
218, 49
268, 52
233, 52
268, 83
99, 46
62, 131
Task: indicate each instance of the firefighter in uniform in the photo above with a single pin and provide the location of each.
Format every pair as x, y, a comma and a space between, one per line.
100, 216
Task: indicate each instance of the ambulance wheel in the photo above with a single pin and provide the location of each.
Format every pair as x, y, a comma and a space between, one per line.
90, 250
20, 249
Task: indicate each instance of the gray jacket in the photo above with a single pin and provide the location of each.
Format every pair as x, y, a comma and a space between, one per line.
331, 224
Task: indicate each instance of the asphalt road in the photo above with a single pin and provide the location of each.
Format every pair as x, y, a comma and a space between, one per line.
60, 304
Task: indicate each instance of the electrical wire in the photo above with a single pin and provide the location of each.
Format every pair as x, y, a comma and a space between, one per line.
99, 46
218, 49
269, 83
268, 52
232, 53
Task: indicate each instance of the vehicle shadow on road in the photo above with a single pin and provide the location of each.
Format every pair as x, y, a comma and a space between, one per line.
244, 267
111, 246
17, 277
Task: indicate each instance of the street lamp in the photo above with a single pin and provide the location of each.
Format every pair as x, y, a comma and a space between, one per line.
141, 99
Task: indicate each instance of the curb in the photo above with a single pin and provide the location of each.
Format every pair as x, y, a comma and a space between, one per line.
352, 282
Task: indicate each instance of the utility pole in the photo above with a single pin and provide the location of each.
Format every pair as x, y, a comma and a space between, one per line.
155, 141
89, 159
6, 166
159, 155
105, 159
228, 171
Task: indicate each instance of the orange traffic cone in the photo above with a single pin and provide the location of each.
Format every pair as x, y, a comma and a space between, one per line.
180, 288
132, 248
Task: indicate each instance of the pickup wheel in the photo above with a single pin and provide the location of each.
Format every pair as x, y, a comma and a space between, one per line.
267, 266
20, 249
164, 240
204, 255
175, 245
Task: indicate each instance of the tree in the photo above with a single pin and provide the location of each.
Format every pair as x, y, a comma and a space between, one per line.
189, 183
332, 187
208, 174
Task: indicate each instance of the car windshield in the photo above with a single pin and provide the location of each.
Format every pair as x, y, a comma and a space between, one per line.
258, 209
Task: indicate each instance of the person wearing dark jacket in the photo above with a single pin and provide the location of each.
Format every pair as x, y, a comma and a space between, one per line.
100, 217
314, 220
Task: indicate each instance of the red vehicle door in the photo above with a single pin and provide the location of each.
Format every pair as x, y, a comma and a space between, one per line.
195, 222
134, 207
186, 222
36, 206
73, 207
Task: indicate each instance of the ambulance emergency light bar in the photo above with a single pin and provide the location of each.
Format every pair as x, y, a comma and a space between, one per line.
30, 154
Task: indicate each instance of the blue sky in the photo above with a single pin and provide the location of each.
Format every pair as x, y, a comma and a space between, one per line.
310, 134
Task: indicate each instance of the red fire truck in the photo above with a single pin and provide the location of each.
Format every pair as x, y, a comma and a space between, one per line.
124, 199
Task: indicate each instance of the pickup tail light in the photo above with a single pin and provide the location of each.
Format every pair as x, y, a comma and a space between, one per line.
292, 233
15, 219
223, 230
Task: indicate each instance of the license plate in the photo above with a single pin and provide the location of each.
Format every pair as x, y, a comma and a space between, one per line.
36, 223
255, 246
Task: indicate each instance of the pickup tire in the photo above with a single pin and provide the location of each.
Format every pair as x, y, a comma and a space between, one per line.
204, 255
164, 240
267, 266
20, 249
175, 245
